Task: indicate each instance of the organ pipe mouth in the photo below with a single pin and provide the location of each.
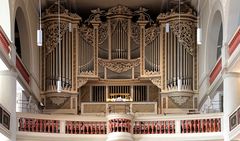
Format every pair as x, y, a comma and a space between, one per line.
199, 36
59, 87
39, 37
167, 27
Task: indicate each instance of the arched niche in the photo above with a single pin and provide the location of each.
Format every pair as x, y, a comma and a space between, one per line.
22, 37
214, 39
233, 16
5, 17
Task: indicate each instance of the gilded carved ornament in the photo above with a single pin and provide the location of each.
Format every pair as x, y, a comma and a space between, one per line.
81, 82
135, 30
184, 31
119, 10
58, 100
119, 66
103, 33
157, 82
151, 33
87, 34
179, 100
52, 34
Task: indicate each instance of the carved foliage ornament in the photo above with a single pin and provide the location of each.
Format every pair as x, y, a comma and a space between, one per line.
119, 10
135, 30
156, 82
123, 23
119, 66
81, 82
151, 34
103, 33
52, 34
54, 10
58, 100
87, 34
179, 100
185, 31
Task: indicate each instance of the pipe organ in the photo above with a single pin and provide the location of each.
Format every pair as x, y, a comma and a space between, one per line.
118, 54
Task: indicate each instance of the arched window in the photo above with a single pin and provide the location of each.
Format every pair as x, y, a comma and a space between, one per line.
17, 40
219, 42
21, 36
215, 39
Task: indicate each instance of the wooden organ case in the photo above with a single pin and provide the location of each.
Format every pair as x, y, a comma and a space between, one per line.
119, 56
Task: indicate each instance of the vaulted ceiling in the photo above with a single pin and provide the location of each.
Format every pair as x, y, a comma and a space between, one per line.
83, 7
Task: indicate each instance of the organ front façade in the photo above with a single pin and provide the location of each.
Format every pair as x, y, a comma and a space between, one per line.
119, 60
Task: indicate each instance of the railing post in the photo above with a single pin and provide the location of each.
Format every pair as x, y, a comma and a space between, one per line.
13, 53
225, 55
177, 126
62, 126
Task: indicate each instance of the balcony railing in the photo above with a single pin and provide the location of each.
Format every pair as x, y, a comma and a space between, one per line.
154, 127
22, 69
38, 125
86, 125
201, 125
216, 70
234, 42
4, 41
234, 119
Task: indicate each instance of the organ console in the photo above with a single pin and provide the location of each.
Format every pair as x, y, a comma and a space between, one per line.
119, 54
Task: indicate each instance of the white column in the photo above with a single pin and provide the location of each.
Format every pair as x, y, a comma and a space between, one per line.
8, 98
231, 98
225, 55
62, 127
177, 126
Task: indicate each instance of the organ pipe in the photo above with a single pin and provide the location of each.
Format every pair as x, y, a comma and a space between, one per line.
121, 37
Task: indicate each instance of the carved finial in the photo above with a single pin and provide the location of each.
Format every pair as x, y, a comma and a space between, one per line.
96, 13
142, 14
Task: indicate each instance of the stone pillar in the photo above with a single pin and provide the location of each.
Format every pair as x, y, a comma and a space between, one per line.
231, 98
177, 126
8, 98
62, 126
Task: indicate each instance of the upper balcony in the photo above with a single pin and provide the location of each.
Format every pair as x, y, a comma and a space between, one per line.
234, 52
10, 57
234, 127
119, 126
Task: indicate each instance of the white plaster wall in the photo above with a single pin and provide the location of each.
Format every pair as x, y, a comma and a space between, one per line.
32, 51
5, 18
232, 17
207, 52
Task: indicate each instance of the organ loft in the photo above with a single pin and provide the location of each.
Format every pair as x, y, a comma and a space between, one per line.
119, 60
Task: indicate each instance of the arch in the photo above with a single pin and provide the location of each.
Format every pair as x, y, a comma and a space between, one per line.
5, 20
214, 35
23, 32
233, 16
213, 38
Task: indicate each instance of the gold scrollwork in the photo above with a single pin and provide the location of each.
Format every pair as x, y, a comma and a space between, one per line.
119, 66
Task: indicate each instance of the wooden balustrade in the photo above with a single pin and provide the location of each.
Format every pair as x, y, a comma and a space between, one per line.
182, 124
38, 125
22, 69
154, 127
201, 125
234, 42
214, 73
119, 125
4, 41
83, 127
